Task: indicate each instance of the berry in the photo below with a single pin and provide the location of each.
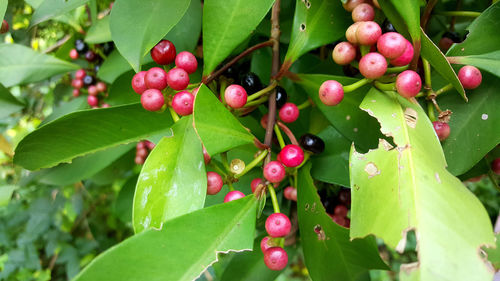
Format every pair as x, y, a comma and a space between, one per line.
278, 225
138, 83
186, 61
152, 100
139, 160
391, 45
289, 113
281, 97
81, 47
406, 57
275, 258
368, 32
350, 33
206, 156
341, 210
76, 92
96, 68
345, 196
5, 27
291, 155
214, 183
344, 53
156, 78
105, 105
73, 54
442, 130
274, 171
495, 166
80, 73
101, 87
387, 26
470, 77
164, 52
408, 83
140, 145
92, 100
143, 152
90, 56
266, 243
251, 82
290, 193
372, 65
182, 103
445, 43
351, 4
235, 96
233, 195
149, 145
178, 79
107, 48
255, 182
363, 12
88, 80
312, 143
93, 90
77, 83
340, 220
331, 92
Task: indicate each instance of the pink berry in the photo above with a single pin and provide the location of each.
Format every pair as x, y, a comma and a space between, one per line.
139, 160
76, 92
289, 113
235, 96
178, 79
341, 210
442, 130
340, 220
350, 33
80, 73
266, 243
291, 155
391, 45
149, 145
214, 183
290, 193
77, 83
101, 87
140, 145
351, 4
182, 103
92, 100
470, 77
233, 195
408, 83
93, 90
186, 61
164, 52
495, 166
344, 53
105, 105
138, 83
275, 258
274, 171
368, 32
331, 92
372, 65
406, 57
143, 152
156, 78
363, 12
255, 182
278, 225
152, 100
73, 54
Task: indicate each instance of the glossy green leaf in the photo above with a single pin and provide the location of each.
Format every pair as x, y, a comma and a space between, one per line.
99, 32
325, 241
226, 24
173, 180
125, 200
121, 91
409, 11
137, 26
88, 131
354, 124
218, 129
3, 8
186, 33
64, 108
488, 61
5, 194
53, 8
419, 194
316, 23
181, 251
114, 66
20, 64
494, 254
8, 103
473, 125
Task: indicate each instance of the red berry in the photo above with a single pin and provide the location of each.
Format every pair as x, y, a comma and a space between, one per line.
278, 225
274, 171
149, 145
77, 83
233, 195
80, 73
143, 152
92, 100
350, 33
291, 155
178, 79
391, 45
363, 12
340, 220
368, 32
445, 44
266, 243
138, 83
73, 54
186, 61
408, 83
275, 258
76, 92
351, 4
139, 160
101, 87
90, 56
406, 57
344, 53
235, 96
255, 182
442, 130
290, 193
470, 77
152, 100
331, 92
372, 65
140, 145
93, 90
156, 78
495, 166
340, 210
5, 27
214, 183
206, 156
164, 52
289, 113
182, 103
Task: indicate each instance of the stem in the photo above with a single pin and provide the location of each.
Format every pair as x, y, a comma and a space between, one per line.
222, 90
279, 136
430, 112
364, 49
397, 69
436, 105
427, 73
356, 85
175, 117
217, 168
230, 185
305, 104
385, 87
427, 13
491, 175
263, 91
288, 133
460, 14
444, 89
225, 163
252, 164
256, 102
274, 199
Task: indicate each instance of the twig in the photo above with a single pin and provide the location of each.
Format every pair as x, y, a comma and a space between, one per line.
427, 13
57, 44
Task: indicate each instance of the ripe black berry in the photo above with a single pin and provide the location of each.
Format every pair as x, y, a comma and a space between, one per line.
88, 80
251, 82
81, 47
107, 48
312, 143
387, 26
281, 97
232, 72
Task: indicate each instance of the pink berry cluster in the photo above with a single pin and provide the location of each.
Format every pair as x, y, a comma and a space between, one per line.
341, 209
84, 82
142, 150
150, 84
278, 225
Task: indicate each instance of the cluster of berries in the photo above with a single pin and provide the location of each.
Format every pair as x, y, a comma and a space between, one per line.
87, 82
82, 50
150, 84
337, 206
142, 150
278, 226
5, 27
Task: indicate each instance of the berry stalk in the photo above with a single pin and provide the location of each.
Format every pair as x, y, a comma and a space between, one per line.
274, 199
354, 86
252, 164
279, 136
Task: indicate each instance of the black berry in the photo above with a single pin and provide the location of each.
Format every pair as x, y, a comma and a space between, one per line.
81, 47
88, 80
312, 143
251, 82
107, 48
387, 26
232, 72
90, 56
281, 97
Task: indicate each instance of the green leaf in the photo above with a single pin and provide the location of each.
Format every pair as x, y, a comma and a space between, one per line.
173, 180
121, 91
88, 131
409, 11
114, 66
64, 108
226, 24
99, 32
8, 103
6, 193
53, 8
218, 129
494, 254
488, 61
419, 194
181, 251
3, 8
325, 241
137, 26
20, 65
316, 23
186, 33
125, 200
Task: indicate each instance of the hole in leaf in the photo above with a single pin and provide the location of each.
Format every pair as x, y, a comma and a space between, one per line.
319, 231
372, 170
302, 26
411, 117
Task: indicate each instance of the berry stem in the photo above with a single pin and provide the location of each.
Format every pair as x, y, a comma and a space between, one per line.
444, 89
174, 115
225, 163
100, 53
364, 49
274, 199
230, 185
217, 169
256, 102
427, 74
397, 69
288, 133
305, 104
385, 87
223, 85
252, 164
279, 136
356, 85
460, 14
430, 111
263, 91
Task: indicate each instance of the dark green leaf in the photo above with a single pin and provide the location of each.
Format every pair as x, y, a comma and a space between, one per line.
181, 251
53, 8
186, 33
125, 200
8, 103
409, 11
99, 32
